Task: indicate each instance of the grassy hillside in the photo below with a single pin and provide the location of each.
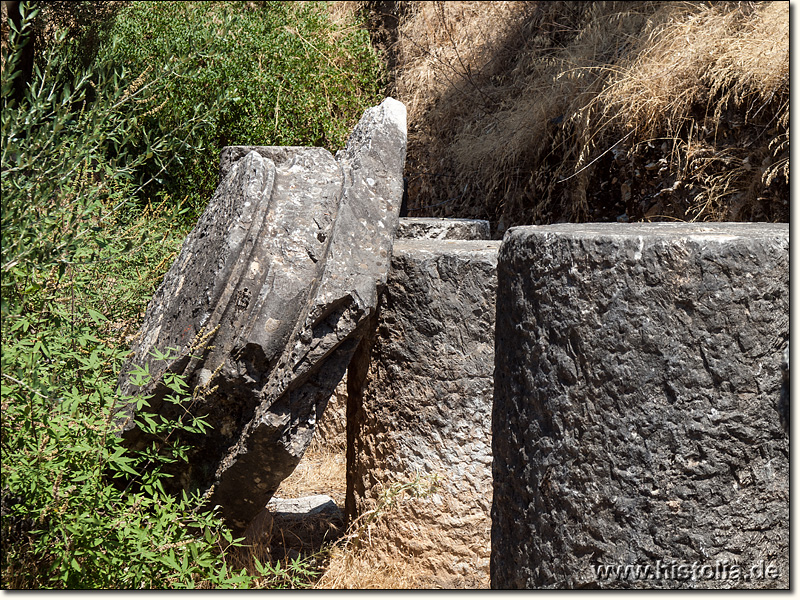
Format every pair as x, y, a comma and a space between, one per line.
540, 112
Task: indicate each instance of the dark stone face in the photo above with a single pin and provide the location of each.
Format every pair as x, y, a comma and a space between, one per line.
268, 300
637, 412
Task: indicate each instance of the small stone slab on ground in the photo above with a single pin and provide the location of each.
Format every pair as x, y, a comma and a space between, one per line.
443, 229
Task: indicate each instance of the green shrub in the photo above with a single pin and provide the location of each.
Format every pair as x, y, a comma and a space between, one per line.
80, 530
292, 75
75, 264
68, 162
81, 258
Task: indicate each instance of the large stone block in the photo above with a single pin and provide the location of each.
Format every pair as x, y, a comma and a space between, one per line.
636, 419
267, 301
419, 404
331, 428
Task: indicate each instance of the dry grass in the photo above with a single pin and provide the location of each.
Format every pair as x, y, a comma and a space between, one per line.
276, 540
342, 560
352, 559
525, 112
358, 568
343, 12
321, 471
364, 558
734, 62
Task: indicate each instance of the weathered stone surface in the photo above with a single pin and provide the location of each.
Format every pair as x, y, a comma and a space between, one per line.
636, 417
420, 405
267, 301
230, 155
443, 229
785, 390
289, 526
785, 363
305, 506
331, 428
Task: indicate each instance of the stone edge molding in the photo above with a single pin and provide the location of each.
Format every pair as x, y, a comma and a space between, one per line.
443, 229
267, 301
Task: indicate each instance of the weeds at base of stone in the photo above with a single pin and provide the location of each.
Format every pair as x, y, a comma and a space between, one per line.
353, 563
311, 553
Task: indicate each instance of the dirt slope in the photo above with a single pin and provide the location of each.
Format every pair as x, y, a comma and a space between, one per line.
540, 112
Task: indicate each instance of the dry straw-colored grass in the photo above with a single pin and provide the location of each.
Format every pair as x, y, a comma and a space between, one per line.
363, 558
524, 112
321, 471
358, 568
342, 559
275, 540
734, 62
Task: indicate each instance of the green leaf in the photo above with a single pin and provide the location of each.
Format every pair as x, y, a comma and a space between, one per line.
96, 316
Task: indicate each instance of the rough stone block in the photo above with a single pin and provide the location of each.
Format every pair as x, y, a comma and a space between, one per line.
331, 428
268, 300
443, 229
331, 431
636, 419
291, 526
230, 155
419, 404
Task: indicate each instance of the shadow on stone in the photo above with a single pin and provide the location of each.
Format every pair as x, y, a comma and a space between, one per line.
265, 304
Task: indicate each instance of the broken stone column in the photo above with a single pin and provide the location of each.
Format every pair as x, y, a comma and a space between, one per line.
637, 435
331, 428
419, 408
267, 301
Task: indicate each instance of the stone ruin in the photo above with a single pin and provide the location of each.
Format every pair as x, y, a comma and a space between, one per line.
637, 385
267, 302
420, 400
629, 407
331, 429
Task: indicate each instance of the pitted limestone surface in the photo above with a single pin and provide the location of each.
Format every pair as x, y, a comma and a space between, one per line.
637, 412
443, 229
424, 406
330, 431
